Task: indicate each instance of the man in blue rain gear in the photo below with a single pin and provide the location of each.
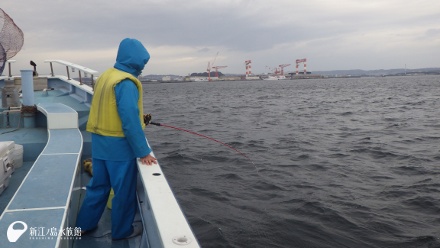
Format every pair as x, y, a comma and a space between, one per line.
116, 124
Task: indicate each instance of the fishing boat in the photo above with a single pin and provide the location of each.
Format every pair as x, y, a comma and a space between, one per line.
44, 146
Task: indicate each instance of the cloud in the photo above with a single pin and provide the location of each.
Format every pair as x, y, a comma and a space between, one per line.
184, 35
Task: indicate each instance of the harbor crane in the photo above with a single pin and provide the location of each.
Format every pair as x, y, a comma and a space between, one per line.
248, 64
218, 67
209, 71
298, 61
282, 68
274, 70
211, 66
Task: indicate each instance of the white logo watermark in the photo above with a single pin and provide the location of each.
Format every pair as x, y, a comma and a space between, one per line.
39, 233
15, 234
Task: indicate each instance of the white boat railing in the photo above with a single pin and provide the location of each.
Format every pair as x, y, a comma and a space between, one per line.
158, 205
72, 66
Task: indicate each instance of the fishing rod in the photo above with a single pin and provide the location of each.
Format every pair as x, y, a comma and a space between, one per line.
147, 120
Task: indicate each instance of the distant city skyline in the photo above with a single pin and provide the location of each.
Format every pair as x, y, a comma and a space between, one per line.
183, 36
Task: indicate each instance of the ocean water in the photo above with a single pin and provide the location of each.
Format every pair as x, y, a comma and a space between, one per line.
332, 162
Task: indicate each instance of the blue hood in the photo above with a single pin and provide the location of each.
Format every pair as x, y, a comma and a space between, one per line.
132, 57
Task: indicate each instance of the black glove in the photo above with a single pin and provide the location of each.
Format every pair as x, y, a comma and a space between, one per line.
147, 119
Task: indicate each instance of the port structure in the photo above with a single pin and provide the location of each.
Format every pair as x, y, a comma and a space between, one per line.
279, 70
208, 69
282, 68
273, 70
248, 64
299, 61
218, 67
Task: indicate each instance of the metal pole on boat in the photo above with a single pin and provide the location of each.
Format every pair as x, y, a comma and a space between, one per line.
93, 82
80, 78
68, 73
51, 69
27, 84
9, 67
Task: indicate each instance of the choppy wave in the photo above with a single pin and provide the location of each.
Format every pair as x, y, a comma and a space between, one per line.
333, 162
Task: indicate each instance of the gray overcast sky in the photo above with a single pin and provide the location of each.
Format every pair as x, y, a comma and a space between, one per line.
182, 36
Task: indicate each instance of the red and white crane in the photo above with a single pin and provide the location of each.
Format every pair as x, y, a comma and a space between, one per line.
211, 66
273, 70
248, 64
299, 61
282, 68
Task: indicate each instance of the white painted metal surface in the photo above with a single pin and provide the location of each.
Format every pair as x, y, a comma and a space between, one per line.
72, 65
59, 116
172, 225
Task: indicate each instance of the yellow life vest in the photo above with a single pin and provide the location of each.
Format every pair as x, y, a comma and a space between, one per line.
104, 118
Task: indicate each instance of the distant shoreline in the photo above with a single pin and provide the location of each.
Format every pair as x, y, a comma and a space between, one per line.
316, 74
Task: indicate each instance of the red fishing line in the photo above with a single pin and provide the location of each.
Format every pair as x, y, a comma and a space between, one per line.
201, 135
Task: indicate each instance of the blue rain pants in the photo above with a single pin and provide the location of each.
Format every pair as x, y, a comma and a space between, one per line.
122, 175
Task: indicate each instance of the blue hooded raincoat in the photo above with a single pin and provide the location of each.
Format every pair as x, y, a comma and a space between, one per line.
114, 158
